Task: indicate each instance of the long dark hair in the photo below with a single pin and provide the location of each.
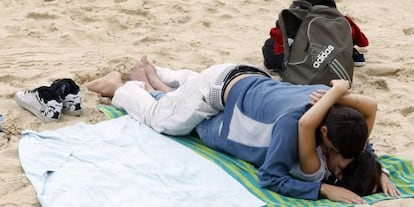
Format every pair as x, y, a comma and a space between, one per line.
362, 175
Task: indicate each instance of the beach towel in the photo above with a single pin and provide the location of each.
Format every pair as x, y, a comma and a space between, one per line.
120, 162
400, 170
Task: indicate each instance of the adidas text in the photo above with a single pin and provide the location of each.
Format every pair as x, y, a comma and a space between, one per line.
323, 55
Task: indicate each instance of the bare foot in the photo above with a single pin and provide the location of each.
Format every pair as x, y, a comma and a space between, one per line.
152, 76
148, 67
138, 73
107, 85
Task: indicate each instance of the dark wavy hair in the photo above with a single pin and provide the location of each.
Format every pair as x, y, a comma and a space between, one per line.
362, 175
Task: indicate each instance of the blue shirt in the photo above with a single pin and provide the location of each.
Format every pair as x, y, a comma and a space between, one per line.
260, 125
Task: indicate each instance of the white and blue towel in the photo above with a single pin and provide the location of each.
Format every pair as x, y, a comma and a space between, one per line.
122, 163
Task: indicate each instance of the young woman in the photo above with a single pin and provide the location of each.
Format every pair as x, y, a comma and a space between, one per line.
363, 175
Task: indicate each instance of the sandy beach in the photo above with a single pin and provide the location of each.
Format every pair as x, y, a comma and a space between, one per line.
44, 40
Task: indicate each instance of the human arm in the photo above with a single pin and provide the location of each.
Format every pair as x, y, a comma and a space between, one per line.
366, 105
368, 108
311, 120
387, 187
282, 156
336, 193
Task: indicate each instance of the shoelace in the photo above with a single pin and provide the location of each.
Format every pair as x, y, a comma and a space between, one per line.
42, 98
30, 91
38, 98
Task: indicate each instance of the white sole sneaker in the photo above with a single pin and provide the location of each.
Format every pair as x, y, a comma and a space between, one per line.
40, 102
69, 93
359, 64
71, 104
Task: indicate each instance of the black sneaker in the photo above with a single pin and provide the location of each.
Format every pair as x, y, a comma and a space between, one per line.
359, 59
69, 94
42, 102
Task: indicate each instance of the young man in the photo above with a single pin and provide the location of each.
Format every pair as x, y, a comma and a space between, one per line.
261, 122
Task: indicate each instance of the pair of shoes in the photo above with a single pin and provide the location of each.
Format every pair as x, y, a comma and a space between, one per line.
359, 59
48, 102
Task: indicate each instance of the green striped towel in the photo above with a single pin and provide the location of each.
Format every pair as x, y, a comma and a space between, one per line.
401, 172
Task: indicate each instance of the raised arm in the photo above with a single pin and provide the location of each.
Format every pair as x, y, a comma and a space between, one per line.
310, 121
281, 156
274, 173
367, 106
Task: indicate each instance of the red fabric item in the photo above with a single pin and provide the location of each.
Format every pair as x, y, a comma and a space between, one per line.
276, 35
358, 36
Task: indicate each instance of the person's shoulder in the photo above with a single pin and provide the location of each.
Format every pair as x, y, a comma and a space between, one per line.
289, 118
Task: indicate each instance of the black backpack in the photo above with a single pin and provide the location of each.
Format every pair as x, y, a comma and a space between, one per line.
322, 44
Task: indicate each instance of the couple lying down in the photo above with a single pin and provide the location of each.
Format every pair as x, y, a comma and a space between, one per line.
307, 141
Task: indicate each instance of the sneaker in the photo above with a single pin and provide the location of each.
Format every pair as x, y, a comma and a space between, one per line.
42, 102
359, 59
69, 94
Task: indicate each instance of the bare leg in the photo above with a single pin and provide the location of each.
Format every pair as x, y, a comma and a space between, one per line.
138, 73
152, 76
107, 85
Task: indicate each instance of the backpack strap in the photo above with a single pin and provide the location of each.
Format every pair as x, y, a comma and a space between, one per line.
289, 22
301, 4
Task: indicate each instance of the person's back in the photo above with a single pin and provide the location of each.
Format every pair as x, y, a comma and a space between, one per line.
260, 125
255, 106
257, 110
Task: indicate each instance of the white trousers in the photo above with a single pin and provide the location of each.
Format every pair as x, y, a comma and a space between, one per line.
177, 113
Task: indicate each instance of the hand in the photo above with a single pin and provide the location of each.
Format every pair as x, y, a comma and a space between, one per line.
316, 96
340, 194
341, 84
387, 187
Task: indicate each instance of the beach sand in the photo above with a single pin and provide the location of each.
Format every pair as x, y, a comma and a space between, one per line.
44, 40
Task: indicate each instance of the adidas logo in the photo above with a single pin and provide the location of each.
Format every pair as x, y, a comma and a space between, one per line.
323, 55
